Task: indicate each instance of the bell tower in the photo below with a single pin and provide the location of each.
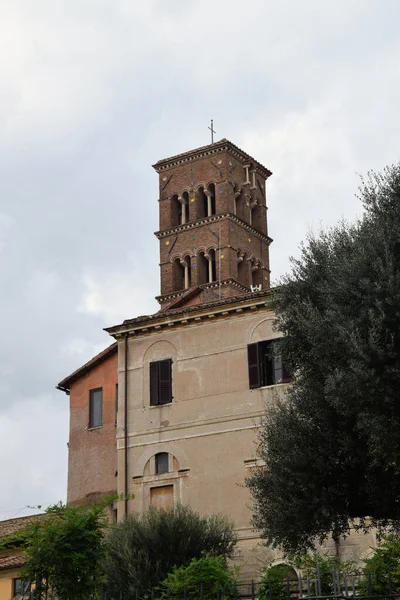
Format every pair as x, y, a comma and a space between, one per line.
213, 233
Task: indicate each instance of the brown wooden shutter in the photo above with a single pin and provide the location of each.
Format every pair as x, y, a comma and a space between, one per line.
253, 357
154, 384
165, 387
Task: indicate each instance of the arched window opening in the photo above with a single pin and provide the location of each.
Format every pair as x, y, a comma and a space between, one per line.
202, 203
178, 275
162, 463
185, 207
212, 275
211, 203
202, 268
176, 211
238, 204
258, 276
242, 270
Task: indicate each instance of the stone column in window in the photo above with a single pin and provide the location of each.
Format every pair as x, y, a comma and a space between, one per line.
209, 208
253, 179
183, 202
251, 203
210, 273
186, 272
235, 197
246, 170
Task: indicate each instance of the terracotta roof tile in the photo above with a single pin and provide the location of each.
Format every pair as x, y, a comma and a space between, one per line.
11, 526
64, 385
12, 561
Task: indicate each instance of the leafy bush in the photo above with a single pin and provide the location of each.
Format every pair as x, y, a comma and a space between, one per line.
274, 582
275, 577
384, 560
209, 572
143, 549
64, 551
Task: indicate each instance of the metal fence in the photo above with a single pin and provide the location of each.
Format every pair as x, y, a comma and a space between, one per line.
335, 586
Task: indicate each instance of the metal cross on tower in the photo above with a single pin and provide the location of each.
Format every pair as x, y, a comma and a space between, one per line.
212, 131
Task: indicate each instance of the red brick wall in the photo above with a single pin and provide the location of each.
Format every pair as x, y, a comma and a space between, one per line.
92, 460
228, 175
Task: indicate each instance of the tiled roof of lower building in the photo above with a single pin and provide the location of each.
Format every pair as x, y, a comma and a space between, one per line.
11, 526
12, 561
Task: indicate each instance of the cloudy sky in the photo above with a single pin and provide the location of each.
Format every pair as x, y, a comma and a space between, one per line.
92, 93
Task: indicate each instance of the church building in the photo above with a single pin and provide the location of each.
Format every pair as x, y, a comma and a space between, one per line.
194, 379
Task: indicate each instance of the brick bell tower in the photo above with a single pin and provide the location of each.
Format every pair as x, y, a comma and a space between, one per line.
213, 234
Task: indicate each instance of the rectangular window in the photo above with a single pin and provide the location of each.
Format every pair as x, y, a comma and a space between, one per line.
161, 382
20, 587
265, 364
95, 408
162, 463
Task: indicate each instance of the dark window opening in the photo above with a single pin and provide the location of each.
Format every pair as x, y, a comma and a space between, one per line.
202, 203
162, 463
265, 364
258, 276
95, 408
176, 211
178, 275
211, 189
213, 265
242, 271
20, 588
202, 269
161, 382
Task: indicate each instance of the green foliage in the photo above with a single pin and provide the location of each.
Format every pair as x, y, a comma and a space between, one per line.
210, 572
384, 560
143, 549
332, 447
65, 551
273, 582
274, 579
307, 563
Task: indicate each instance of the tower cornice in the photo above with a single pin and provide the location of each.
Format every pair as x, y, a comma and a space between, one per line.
212, 219
223, 145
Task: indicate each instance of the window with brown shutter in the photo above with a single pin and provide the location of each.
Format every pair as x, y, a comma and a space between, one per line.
254, 365
161, 382
266, 366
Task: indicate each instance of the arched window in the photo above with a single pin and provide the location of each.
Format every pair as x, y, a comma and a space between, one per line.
212, 266
176, 211
242, 270
162, 463
202, 203
258, 275
178, 275
202, 268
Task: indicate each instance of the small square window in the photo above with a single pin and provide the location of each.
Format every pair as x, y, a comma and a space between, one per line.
95, 408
